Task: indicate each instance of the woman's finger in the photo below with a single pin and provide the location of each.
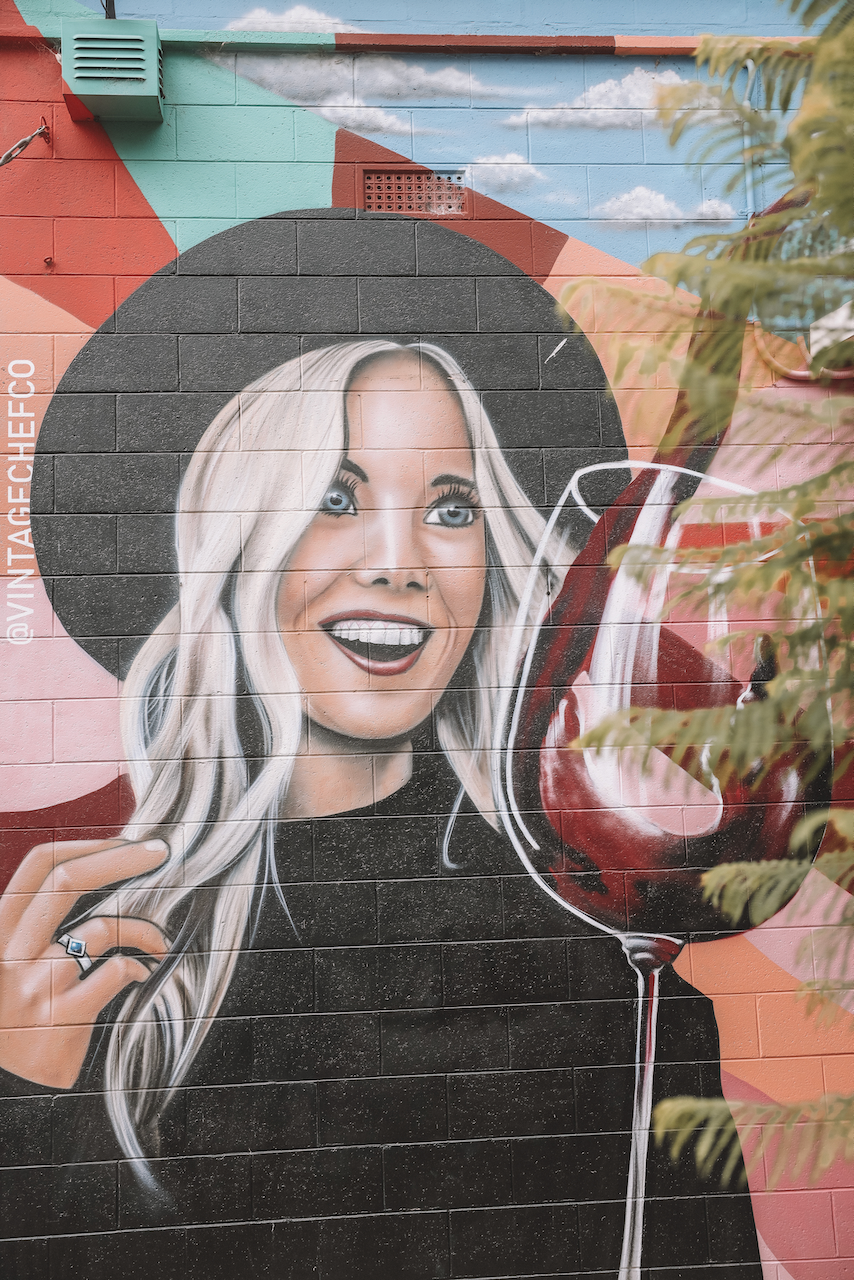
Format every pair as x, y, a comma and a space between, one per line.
102, 934
38, 865
44, 911
83, 1001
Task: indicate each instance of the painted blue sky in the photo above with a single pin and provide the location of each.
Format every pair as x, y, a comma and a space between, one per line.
572, 141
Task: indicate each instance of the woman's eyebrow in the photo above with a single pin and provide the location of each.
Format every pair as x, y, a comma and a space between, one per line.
439, 482
355, 470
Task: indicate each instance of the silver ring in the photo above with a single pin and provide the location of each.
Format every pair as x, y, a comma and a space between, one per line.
76, 948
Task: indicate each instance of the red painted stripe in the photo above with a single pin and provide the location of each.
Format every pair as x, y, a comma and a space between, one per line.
373, 42
100, 815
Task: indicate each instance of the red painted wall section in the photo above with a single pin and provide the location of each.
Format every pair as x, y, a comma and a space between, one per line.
77, 230
99, 815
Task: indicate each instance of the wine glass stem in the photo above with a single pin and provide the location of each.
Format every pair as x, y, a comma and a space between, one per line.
648, 968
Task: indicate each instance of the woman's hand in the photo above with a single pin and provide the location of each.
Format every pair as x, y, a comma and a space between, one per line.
48, 1005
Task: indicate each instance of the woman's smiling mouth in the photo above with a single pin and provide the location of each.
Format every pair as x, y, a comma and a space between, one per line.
381, 644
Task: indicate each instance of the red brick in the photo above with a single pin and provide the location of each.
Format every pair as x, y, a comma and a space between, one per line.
24, 244
112, 246
63, 186
30, 74
21, 119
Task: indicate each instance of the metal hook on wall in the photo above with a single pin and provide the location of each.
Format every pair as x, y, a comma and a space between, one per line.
43, 131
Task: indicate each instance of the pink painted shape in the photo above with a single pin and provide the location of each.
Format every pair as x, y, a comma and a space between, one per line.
58, 708
772, 1268
33, 314
24, 787
793, 939
579, 259
60, 715
798, 1225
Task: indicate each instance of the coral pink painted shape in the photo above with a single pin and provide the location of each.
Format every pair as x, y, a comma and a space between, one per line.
59, 710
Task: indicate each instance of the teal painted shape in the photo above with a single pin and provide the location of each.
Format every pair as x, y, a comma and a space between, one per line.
177, 189
235, 132
187, 79
267, 188
214, 163
44, 13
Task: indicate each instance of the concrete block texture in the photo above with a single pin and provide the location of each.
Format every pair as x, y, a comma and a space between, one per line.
421, 1066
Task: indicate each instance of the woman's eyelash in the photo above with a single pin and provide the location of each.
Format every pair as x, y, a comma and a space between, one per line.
458, 493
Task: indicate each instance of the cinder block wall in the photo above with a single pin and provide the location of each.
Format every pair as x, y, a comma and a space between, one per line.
423, 1065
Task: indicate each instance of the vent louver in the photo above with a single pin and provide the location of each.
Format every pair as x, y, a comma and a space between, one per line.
115, 68
440, 193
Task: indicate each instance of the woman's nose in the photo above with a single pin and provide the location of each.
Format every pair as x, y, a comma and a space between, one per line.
391, 556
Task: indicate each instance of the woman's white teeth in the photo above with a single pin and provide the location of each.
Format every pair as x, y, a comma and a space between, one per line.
372, 631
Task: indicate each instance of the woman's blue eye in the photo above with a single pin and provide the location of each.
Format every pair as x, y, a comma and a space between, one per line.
338, 501
451, 514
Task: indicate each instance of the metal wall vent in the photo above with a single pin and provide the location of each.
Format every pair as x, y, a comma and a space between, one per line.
109, 58
114, 67
440, 193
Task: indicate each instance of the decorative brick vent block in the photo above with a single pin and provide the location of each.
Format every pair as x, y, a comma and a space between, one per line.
442, 193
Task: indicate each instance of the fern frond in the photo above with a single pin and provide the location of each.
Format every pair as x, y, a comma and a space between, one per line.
803, 1139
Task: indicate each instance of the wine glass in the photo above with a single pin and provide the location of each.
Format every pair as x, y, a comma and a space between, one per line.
621, 835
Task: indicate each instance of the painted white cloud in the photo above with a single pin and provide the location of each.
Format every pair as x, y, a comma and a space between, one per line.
612, 104
341, 87
380, 76
510, 172
300, 17
324, 84
642, 204
315, 77
714, 210
362, 119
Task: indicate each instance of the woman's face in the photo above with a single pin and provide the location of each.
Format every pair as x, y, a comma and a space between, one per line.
380, 598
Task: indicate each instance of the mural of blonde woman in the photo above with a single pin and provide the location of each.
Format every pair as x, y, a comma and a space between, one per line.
340, 550
307, 1013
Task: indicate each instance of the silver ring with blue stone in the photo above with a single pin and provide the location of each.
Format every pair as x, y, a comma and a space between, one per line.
76, 948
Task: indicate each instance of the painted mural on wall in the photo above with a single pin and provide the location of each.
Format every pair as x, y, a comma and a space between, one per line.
315, 963
336, 961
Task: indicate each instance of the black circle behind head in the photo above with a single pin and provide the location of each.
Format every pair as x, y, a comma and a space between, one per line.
135, 401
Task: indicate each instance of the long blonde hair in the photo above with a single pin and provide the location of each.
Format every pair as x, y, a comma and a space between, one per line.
254, 484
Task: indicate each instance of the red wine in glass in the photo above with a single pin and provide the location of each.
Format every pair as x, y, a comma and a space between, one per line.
622, 836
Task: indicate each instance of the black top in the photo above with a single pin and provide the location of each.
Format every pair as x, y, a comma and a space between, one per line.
426, 1072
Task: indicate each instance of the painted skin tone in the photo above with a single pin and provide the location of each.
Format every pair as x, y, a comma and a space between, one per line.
376, 608
397, 553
